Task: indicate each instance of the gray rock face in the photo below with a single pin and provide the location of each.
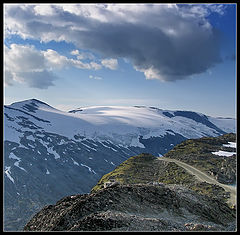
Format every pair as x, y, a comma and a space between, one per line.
139, 207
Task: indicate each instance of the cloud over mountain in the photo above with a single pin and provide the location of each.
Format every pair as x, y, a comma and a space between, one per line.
164, 41
25, 64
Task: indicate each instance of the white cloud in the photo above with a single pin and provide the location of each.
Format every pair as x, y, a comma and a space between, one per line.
54, 60
8, 78
44, 9
95, 77
75, 52
153, 37
23, 58
25, 64
95, 65
83, 55
110, 63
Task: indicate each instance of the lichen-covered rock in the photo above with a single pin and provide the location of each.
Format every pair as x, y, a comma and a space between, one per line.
138, 207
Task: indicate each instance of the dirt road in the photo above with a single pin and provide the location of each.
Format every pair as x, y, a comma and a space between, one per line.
201, 176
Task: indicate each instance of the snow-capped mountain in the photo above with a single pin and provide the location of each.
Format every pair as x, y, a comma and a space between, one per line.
49, 154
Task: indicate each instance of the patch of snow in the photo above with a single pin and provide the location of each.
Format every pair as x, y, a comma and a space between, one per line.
91, 143
89, 147
74, 162
89, 168
135, 143
30, 137
13, 156
40, 135
224, 153
22, 146
8, 173
17, 165
230, 145
31, 145
108, 146
62, 142
50, 150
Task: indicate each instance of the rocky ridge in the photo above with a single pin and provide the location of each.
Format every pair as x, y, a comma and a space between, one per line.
139, 207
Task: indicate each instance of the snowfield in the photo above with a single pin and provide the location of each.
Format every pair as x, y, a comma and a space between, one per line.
120, 124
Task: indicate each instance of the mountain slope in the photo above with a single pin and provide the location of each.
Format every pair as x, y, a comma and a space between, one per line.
213, 155
138, 203
49, 154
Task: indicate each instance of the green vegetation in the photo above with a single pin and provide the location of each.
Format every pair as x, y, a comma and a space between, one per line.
142, 168
211, 190
198, 153
174, 174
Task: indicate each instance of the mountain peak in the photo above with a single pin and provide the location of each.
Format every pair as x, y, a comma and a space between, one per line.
30, 105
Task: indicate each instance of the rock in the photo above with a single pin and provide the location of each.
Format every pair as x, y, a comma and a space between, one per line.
111, 183
138, 207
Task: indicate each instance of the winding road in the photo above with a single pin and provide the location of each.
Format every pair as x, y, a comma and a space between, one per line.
201, 176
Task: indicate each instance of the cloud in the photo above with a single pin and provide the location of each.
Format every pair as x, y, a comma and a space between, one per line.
167, 42
83, 55
37, 79
25, 64
110, 63
95, 77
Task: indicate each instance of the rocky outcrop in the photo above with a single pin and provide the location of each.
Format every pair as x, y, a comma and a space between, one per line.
139, 207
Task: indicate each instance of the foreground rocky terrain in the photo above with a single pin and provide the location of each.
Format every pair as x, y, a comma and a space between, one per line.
133, 197
138, 207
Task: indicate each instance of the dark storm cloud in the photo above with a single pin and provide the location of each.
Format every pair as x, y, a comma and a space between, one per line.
172, 58
165, 42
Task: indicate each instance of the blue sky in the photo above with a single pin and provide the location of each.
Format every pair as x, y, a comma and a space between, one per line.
176, 57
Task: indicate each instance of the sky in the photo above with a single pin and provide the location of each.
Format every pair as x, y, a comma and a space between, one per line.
170, 56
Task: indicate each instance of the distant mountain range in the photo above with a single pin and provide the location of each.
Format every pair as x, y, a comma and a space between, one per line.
49, 154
